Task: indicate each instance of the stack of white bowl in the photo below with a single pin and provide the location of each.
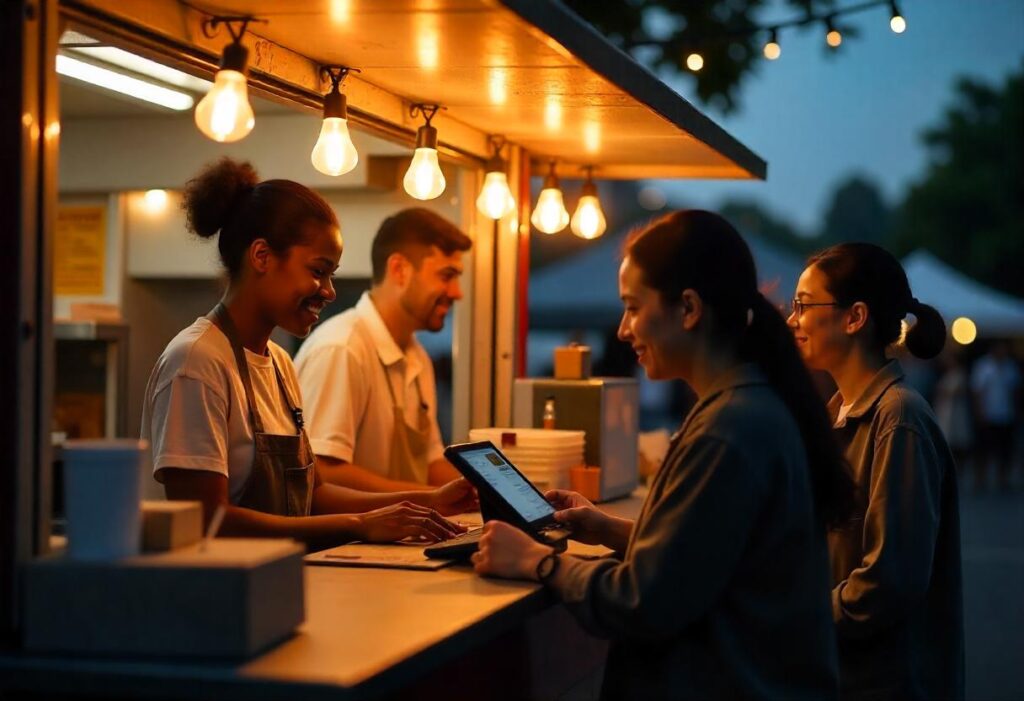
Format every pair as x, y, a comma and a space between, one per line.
543, 455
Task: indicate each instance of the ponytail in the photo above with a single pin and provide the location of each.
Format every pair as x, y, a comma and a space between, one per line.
927, 336
768, 342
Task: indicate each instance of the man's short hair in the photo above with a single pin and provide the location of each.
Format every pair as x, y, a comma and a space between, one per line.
412, 232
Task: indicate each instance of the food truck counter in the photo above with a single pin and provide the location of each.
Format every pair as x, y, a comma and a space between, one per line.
369, 633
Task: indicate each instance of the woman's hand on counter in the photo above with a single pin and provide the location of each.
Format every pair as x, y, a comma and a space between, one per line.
405, 520
507, 552
588, 523
456, 497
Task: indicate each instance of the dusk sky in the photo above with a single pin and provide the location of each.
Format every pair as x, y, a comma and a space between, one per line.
817, 119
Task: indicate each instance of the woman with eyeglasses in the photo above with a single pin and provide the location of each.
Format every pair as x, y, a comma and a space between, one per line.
897, 596
719, 590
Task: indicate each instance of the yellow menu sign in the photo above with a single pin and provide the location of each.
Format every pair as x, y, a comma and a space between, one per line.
80, 250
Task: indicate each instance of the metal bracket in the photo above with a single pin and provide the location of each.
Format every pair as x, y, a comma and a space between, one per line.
336, 74
428, 111
211, 25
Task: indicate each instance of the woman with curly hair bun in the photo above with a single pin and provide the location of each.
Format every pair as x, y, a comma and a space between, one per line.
223, 407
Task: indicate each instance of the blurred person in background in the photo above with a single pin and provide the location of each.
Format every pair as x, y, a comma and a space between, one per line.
952, 405
995, 382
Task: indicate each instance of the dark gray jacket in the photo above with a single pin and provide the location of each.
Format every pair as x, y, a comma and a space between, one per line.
723, 590
898, 598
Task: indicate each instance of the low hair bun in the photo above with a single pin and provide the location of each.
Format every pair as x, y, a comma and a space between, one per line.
214, 194
927, 336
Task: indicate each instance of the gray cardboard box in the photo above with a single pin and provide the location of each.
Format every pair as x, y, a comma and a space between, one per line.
232, 600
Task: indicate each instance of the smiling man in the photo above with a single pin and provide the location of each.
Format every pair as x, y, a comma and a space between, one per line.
367, 382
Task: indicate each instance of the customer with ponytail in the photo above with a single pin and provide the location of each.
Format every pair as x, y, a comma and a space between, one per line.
222, 409
896, 597
720, 589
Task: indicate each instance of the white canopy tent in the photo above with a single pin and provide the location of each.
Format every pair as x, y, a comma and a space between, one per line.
955, 295
582, 292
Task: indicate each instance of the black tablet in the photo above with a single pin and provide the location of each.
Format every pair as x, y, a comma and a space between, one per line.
503, 489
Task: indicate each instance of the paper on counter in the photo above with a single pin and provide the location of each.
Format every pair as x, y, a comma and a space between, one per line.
402, 556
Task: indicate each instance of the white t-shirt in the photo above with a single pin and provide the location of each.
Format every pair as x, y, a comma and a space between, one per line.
996, 382
195, 414
341, 368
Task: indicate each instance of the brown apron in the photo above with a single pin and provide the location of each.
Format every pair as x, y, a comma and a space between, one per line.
409, 445
281, 481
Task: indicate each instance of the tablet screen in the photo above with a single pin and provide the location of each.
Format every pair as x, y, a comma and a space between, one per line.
520, 494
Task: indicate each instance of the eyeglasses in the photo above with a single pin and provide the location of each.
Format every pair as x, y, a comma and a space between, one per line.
799, 306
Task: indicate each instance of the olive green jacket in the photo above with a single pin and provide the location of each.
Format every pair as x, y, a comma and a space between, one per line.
897, 597
723, 590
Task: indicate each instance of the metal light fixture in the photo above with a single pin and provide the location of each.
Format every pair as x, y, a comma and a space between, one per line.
588, 220
496, 200
550, 215
424, 179
334, 152
225, 114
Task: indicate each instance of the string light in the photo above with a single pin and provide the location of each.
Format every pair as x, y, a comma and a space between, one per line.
896, 22
550, 215
588, 220
833, 37
334, 152
424, 179
772, 50
496, 200
225, 114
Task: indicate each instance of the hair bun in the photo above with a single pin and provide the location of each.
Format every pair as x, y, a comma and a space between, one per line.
211, 197
927, 336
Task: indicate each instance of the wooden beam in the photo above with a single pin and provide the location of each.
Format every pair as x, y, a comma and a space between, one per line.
172, 33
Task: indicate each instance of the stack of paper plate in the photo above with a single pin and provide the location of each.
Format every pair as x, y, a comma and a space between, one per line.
543, 455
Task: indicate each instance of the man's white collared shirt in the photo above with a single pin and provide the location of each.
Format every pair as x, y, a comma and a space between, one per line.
347, 407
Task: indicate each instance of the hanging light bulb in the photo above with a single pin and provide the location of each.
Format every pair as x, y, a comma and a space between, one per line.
832, 37
695, 62
588, 220
550, 215
772, 50
424, 179
496, 200
896, 22
334, 152
225, 114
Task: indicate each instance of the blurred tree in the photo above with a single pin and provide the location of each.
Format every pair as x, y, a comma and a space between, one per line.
751, 218
968, 209
662, 33
857, 212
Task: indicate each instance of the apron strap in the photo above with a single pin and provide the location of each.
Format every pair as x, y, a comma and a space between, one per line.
293, 409
222, 320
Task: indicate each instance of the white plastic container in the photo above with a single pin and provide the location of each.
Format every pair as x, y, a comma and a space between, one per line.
545, 479
102, 494
529, 437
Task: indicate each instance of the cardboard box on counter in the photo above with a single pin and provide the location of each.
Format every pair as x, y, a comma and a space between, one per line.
167, 525
230, 600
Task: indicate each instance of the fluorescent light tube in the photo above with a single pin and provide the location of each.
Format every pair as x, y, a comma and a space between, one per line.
126, 85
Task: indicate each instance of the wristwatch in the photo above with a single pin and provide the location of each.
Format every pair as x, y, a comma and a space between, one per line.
547, 567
